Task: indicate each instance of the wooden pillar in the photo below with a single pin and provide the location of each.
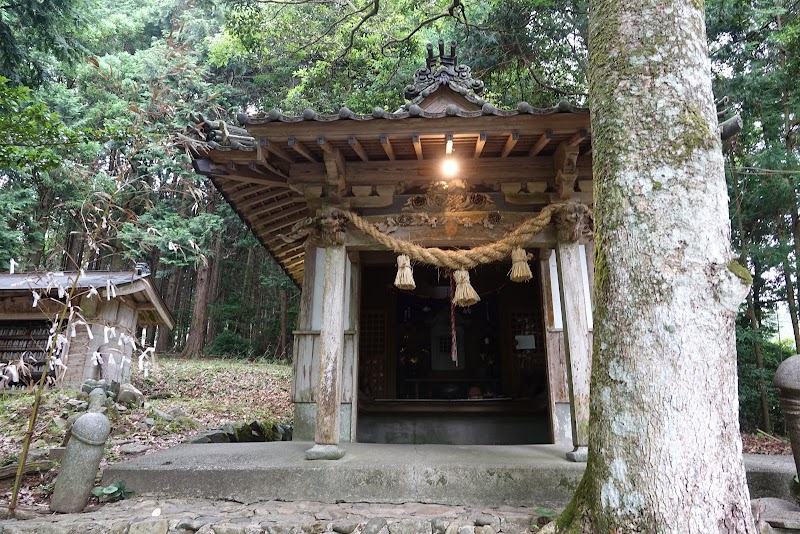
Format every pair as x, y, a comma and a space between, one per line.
331, 351
576, 339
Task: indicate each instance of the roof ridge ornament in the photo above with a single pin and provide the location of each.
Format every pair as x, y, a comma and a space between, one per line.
443, 70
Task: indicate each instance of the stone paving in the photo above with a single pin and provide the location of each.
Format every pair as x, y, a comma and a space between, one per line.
184, 516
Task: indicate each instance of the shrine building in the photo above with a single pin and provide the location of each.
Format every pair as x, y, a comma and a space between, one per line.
400, 229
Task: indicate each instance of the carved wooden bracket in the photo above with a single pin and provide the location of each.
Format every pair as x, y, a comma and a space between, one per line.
330, 225
570, 223
565, 163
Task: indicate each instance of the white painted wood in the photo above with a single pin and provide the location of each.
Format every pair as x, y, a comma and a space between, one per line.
555, 296
587, 293
576, 341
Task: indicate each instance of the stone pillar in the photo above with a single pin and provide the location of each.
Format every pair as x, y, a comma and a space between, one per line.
787, 380
331, 345
576, 330
81, 461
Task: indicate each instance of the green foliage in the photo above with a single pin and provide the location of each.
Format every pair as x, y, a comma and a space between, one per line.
749, 395
113, 492
227, 343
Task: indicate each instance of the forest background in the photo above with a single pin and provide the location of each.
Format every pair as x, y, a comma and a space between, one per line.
93, 94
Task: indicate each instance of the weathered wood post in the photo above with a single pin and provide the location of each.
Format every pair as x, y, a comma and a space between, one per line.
331, 342
576, 329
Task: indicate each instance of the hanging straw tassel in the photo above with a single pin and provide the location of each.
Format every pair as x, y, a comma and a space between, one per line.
405, 276
520, 271
465, 294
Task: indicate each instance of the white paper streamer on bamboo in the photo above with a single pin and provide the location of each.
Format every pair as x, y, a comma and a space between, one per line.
465, 294
520, 271
405, 275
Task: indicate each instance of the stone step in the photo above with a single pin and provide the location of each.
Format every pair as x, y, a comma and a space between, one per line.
163, 516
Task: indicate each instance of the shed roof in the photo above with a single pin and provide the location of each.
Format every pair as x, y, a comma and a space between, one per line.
128, 285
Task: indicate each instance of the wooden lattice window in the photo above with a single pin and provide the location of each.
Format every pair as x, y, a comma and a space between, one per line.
372, 353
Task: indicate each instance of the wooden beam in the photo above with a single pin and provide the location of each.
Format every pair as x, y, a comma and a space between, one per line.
448, 143
356, 145
262, 155
274, 148
237, 173
387, 147
238, 177
301, 149
541, 143
512, 169
511, 142
417, 146
479, 144
560, 123
335, 168
579, 136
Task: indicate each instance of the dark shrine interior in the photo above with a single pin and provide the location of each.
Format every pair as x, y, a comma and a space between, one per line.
411, 389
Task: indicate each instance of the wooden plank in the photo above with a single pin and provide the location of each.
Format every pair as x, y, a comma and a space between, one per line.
356, 145
417, 146
301, 149
288, 213
479, 144
576, 344
304, 311
273, 147
348, 364
541, 143
511, 142
387, 147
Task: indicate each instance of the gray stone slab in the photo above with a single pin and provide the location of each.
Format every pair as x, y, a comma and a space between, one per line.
480, 475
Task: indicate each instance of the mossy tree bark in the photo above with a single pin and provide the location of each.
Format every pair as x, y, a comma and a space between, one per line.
665, 453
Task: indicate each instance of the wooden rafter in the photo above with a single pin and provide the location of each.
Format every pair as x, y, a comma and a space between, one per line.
253, 189
511, 142
301, 149
387, 147
262, 155
417, 146
274, 148
578, 137
356, 145
541, 143
479, 144
278, 225
263, 198
275, 206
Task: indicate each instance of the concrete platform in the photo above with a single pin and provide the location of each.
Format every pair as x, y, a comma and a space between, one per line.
477, 475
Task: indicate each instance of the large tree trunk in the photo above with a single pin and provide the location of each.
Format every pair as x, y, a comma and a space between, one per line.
284, 322
198, 326
665, 453
165, 338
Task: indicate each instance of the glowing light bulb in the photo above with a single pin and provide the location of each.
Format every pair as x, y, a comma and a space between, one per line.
449, 168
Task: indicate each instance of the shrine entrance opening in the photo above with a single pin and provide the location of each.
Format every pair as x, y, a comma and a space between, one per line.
412, 390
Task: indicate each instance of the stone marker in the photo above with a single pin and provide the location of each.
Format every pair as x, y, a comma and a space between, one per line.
787, 380
97, 400
81, 461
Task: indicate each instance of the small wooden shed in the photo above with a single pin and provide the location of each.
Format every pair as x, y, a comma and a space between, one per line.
449, 170
114, 306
